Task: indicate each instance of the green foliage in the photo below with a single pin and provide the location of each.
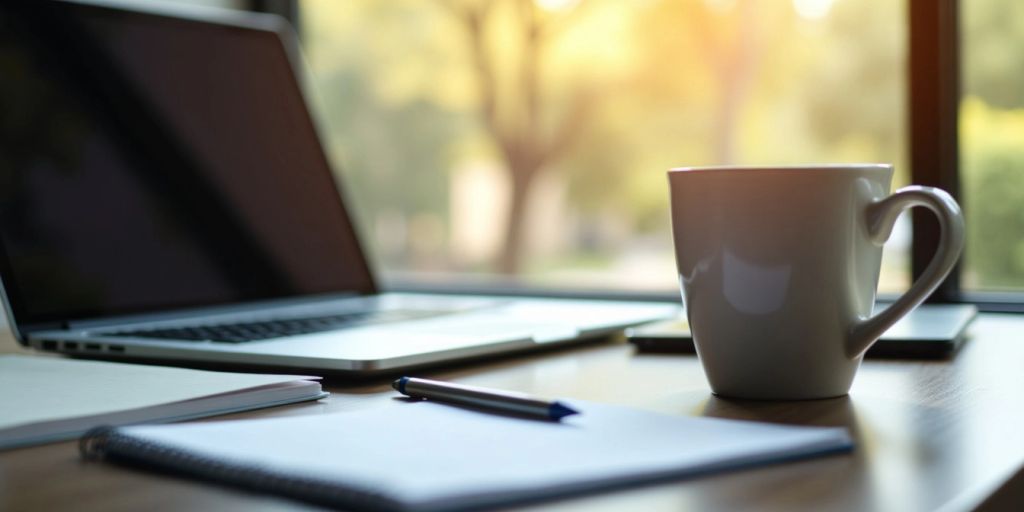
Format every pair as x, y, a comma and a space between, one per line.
993, 61
993, 175
992, 143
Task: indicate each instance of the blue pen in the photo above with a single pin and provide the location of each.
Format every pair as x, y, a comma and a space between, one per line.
505, 401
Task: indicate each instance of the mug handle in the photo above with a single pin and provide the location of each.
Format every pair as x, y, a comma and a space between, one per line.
880, 217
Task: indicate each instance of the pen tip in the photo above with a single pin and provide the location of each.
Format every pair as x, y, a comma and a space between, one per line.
399, 384
559, 411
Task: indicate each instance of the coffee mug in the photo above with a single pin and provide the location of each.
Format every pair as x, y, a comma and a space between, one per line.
779, 266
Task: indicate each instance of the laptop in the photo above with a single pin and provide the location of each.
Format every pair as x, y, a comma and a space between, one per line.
166, 197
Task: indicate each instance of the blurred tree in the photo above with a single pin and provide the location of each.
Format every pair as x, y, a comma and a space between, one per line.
605, 94
705, 52
731, 51
514, 116
676, 99
860, 89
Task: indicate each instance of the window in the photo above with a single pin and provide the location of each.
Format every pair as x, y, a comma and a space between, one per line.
992, 144
527, 140
962, 80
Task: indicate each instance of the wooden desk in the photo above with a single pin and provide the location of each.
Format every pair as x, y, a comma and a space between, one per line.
931, 435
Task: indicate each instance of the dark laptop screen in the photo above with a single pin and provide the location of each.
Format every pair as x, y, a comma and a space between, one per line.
149, 163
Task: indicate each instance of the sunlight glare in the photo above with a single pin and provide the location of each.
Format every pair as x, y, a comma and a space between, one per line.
720, 6
556, 5
812, 9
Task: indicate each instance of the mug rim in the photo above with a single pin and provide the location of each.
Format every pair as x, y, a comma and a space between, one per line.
794, 167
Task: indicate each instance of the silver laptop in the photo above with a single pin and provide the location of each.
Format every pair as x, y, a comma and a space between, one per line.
166, 197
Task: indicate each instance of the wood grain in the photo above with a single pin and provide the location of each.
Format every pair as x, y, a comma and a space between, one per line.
931, 435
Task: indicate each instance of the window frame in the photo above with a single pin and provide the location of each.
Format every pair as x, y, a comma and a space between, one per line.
934, 98
934, 118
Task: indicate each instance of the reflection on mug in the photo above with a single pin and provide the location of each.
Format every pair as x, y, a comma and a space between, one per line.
754, 289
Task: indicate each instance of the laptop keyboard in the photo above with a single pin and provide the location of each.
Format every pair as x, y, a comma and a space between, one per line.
253, 331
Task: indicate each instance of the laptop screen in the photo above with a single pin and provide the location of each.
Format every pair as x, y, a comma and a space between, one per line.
151, 163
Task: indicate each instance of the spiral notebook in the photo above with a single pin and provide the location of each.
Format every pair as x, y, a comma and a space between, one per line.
425, 456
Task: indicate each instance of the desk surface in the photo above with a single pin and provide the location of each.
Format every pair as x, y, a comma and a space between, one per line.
931, 435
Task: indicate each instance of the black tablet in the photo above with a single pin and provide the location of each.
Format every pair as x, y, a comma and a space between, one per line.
932, 331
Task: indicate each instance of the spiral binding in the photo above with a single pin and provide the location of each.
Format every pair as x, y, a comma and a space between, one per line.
93, 444
109, 443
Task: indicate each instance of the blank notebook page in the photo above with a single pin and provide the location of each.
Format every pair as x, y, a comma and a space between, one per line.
423, 455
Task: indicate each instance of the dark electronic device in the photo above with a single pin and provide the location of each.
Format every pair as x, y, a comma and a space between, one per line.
932, 331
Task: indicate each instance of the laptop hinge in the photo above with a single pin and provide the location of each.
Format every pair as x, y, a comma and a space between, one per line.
22, 332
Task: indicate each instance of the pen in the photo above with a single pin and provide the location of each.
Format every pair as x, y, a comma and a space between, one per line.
506, 401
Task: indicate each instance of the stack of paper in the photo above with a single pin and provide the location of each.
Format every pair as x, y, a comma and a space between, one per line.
46, 399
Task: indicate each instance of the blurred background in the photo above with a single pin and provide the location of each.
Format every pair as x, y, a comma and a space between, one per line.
526, 141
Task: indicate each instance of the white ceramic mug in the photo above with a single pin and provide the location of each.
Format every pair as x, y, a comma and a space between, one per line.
779, 268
